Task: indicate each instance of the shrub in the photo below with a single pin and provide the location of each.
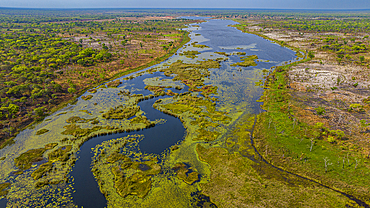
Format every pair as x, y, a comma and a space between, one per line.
71, 90
356, 107
319, 125
320, 111
311, 55
331, 139
39, 111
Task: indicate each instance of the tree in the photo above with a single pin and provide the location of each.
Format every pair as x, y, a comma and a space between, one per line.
39, 112
311, 55
165, 48
312, 143
362, 58
327, 163
13, 109
71, 90
320, 110
58, 88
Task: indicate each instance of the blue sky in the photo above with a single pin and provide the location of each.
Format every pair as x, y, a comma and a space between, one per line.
272, 4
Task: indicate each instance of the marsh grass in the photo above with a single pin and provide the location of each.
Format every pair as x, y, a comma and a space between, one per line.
203, 113
190, 74
61, 154
77, 131
237, 181
42, 131
7, 142
42, 170
223, 53
207, 135
4, 186
190, 54
246, 61
92, 90
121, 112
170, 93
76, 119
157, 90
114, 84
241, 53
139, 183
51, 146
116, 156
87, 97
185, 173
199, 45
25, 160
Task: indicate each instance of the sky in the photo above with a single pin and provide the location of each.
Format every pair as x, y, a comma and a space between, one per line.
260, 4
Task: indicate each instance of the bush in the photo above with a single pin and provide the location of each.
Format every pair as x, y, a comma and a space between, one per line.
319, 125
331, 139
356, 107
39, 111
320, 111
362, 58
311, 55
363, 123
339, 133
13, 109
71, 90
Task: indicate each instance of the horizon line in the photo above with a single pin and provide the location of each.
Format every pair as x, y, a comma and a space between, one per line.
177, 8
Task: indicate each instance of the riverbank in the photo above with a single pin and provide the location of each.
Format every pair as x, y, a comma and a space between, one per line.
297, 132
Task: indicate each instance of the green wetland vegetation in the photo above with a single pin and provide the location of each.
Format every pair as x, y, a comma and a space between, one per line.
249, 139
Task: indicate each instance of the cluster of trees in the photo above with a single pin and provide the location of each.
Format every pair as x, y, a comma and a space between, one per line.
347, 49
345, 45
317, 25
62, 15
282, 14
22, 50
28, 61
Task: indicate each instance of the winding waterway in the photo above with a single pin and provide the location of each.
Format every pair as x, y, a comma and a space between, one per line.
237, 94
157, 139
